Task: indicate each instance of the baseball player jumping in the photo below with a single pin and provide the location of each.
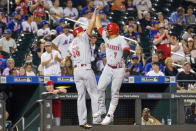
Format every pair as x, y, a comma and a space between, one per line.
84, 76
117, 50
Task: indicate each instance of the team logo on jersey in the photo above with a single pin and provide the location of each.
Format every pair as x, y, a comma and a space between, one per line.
113, 47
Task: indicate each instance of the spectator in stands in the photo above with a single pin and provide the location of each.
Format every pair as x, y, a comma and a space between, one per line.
56, 104
3, 4
61, 42
70, 12
2, 24
170, 70
190, 18
185, 75
163, 41
40, 50
145, 22
104, 20
162, 20
15, 25
50, 60
148, 66
94, 51
3, 64
7, 44
59, 28
178, 48
102, 48
190, 117
178, 18
188, 33
21, 13
44, 29
48, 3
67, 69
130, 7
101, 62
148, 119
189, 47
56, 11
137, 27
140, 54
118, 5
28, 69
131, 34
22, 4
155, 70
38, 8
89, 7
160, 55
85, 19
154, 30
13, 72
135, 67
29, 26
10, 65
193, 52
22, 71
40, 70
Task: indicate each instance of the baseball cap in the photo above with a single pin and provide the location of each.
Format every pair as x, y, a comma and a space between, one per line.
48, 43
134, 57
61, 20
185, 63
146, 110
101, 12
66, 26
155, 22
102, 55
156, 63
7, 31
43, 22
50, 82
145, 13
190, 39
14, 13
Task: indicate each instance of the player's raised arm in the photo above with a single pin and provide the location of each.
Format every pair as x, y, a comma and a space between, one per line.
99, 25
92, 22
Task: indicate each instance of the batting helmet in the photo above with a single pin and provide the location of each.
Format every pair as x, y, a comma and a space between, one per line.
112, 28
50, 82
77, 30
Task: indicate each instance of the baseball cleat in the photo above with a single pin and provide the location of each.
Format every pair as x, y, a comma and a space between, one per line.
86, 126
98, 114
107, 120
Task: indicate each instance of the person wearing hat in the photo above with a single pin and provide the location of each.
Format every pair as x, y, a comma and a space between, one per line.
2, 24
163, 41
44, 29
61, 42
84, 19
89, 7
59, 28
103, 17
50, 61
135, 67
56, 11
100, 64
145, 21
154, 30
15, 25
185, 75
29, 26
155, 70
7, 44
148, 119
56, 104
188, 33
178, 18
70, 12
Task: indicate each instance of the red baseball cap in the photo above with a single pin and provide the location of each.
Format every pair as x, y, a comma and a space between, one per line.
50, 82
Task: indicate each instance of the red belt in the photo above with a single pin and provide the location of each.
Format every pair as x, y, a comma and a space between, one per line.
80, 65
113, 67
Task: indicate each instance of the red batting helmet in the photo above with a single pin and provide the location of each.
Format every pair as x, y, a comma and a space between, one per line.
50, 82
112, 28
77, 30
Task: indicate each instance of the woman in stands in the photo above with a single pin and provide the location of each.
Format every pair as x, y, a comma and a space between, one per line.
68, 68
140, 54
162, 20
170, 70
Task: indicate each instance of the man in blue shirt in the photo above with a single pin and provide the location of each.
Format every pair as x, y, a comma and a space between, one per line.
15, 25
148, 66
178, 18
135, 67
59, 28
90, 6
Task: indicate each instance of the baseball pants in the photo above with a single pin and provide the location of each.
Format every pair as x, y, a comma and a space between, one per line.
116, 76
85, 81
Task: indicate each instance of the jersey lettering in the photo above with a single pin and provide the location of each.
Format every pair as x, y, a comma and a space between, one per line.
75, 52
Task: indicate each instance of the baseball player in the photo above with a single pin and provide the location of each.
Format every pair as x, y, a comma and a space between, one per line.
61, 42
117, 50
84, 76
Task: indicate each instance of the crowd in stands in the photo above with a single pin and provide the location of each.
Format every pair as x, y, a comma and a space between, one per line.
166, 40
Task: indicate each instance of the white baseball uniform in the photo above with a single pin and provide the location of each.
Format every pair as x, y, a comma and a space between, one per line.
43, 32
53, 68
63, 42
84, 76
32, 27
73, 14
59, 11
114, 71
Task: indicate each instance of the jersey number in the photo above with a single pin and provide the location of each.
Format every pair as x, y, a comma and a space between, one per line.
75, 51
115, 53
